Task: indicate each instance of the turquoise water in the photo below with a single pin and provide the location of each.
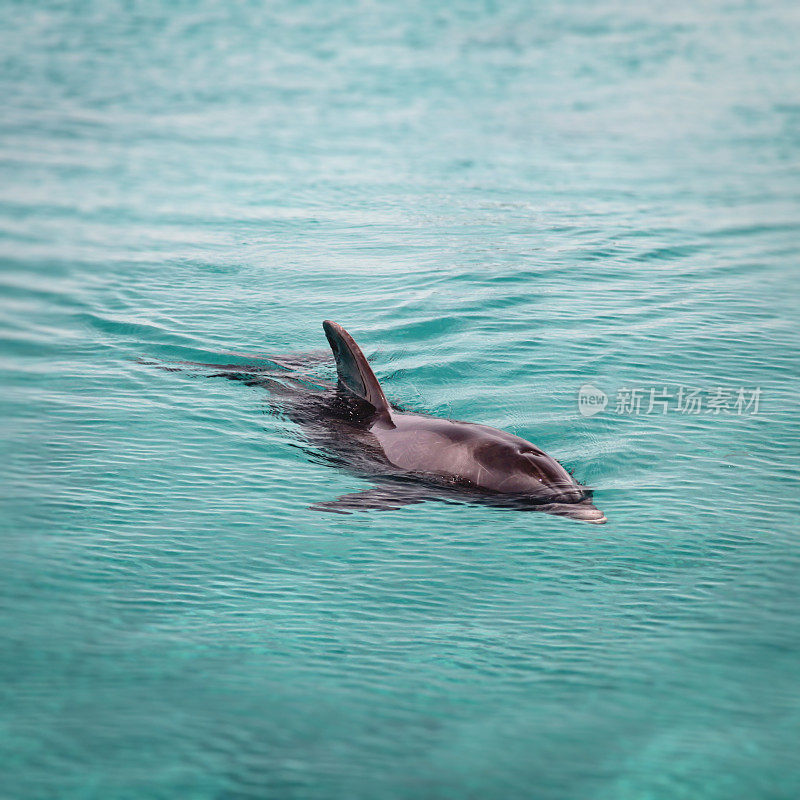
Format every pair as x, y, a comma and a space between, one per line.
502, 202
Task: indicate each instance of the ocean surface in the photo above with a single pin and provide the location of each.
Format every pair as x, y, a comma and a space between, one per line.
503, 202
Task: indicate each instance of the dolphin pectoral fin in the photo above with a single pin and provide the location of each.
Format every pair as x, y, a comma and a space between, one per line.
378, 498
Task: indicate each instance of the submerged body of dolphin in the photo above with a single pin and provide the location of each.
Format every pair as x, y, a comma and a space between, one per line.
411, 457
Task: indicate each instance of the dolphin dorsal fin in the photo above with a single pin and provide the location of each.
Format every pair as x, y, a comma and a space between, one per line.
354, 370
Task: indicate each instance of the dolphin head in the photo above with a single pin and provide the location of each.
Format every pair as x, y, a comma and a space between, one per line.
548, 477
511, 466
529, 477
558, 492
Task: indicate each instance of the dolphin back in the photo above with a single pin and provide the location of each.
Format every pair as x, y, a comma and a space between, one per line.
353, 368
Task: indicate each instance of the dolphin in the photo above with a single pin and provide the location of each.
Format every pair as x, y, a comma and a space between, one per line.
487, 464
409, 457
